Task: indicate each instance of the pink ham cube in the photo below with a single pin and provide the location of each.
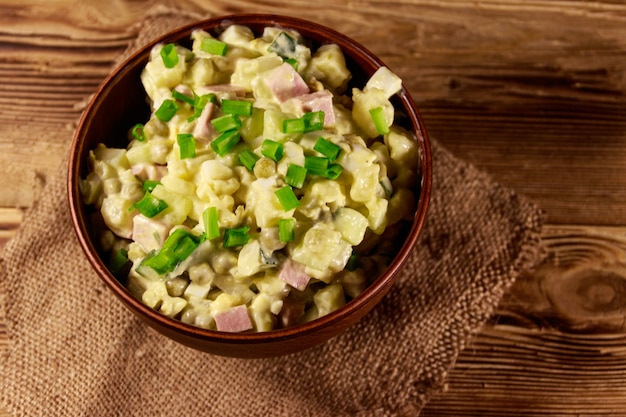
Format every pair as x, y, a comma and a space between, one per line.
149, 233
318, 101
284, 82
293, 274
149, 172
204, 129
234, 320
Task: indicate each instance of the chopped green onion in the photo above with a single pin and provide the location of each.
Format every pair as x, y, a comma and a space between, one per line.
327, 148
353, 261
240, 107
211, 224
166, 110
185, 247
313, 121
272, 149
176, 248
225, 142
200, 103
333, 171
286, 229
293, 62
160, 262
119, 261
316, 165
183, 97
287, 198
187, 145
236, 237
283, 45
138, 133
226, 122
149, 205
248, 159
214, 46
378, 117
169, 54
150, 185
293, 125
296, 175
309, 122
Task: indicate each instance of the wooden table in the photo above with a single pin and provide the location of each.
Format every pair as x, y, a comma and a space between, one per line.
533, 92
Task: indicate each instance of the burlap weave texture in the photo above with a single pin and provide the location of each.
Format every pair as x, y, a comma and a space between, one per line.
75, 351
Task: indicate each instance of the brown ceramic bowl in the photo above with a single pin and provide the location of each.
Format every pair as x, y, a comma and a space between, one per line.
120, 103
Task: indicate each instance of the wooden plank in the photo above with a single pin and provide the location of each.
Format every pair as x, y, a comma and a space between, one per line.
545, 77
533, 92
557, 344
10, 221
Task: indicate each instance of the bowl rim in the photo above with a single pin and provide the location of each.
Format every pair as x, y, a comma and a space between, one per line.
379, 286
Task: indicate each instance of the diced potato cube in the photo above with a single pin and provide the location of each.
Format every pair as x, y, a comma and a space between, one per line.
351, 224
328, 65
384, 79
364, 101
323, 250
246, 70
117, 215
365, 183
329, 299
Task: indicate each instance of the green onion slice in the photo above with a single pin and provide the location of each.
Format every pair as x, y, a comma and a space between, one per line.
316, 165
378, 117
176, 248
296, 175
286, 229
236, 237
149, 205
214, 46
327, 148
225, 142
169, 55
226, 122
248, 159
150, 185
166, 110
287, 198
118, 261
272, 149
309, 122
239, 107
293, 62
210, 216
291, 126
313, 121
160, 262
187, 145
183, 97
333, 171
138, 133
353, 261
283, 45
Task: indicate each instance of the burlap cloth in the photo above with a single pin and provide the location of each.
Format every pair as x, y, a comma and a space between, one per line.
76, 351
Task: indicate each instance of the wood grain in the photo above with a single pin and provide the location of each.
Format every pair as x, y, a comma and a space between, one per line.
557, 344
548, 77
533, 92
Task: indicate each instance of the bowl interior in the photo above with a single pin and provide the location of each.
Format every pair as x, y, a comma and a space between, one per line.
121, 102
